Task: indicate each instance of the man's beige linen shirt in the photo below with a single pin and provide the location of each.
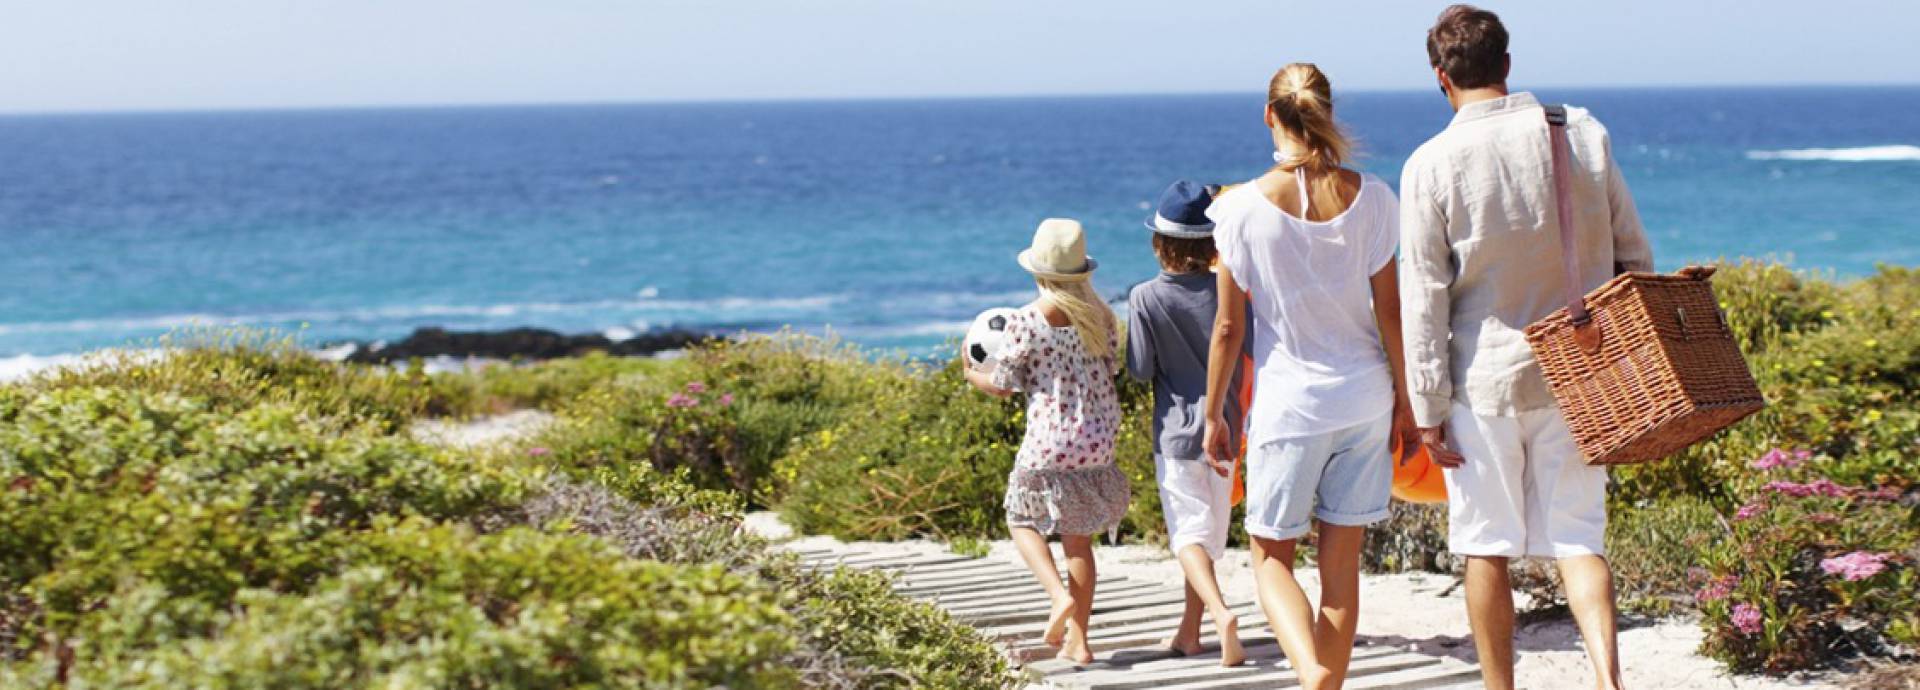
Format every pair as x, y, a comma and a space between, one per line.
1480, 251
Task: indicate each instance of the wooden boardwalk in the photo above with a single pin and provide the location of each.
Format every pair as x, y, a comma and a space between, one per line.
1130, 619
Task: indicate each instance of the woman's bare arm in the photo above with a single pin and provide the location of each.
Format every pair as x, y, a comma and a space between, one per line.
1223, 355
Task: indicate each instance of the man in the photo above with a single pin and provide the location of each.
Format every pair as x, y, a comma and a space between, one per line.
1480, 259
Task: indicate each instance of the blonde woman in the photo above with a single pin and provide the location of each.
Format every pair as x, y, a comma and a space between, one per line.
1059, 350
1311, 246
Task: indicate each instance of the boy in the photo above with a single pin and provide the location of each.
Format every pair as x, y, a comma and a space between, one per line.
1169, 329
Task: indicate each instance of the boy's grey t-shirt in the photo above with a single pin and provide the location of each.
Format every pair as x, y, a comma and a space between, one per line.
1169, 331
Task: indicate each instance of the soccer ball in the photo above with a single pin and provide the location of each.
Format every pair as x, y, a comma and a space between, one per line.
984, 337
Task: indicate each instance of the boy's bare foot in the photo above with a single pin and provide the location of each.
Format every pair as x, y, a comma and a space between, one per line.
1227, 626
1077, 653
1183, 647
1057, 621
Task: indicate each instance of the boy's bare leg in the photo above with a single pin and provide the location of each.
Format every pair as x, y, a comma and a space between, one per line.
1333, 633
1186, 638
1288, 612
1033, 549
1198, 567
1080, 579
1490, 612
1589, 585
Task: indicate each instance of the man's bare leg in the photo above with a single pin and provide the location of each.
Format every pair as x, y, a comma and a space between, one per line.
1490, 612
1589, 584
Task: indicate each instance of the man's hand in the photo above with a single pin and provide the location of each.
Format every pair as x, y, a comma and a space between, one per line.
1219, 445
1434, 439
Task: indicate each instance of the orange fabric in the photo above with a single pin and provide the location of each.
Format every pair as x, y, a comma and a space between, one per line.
1415, 478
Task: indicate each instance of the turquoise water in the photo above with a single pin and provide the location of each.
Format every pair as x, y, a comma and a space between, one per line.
890, 223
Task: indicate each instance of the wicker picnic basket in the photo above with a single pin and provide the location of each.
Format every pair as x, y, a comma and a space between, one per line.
1645, 365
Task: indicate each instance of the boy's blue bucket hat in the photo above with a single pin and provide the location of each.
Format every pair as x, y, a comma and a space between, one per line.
1183, 211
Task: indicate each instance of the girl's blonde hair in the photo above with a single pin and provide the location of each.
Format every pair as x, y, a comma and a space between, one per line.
1089, 314
1301, 100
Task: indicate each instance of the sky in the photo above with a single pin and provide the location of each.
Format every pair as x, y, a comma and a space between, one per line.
112, 55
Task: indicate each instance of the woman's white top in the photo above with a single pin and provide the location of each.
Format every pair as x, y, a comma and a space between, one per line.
1318, 362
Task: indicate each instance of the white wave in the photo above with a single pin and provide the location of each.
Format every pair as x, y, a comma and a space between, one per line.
19, 367
908, 330
1858, 154
423, 311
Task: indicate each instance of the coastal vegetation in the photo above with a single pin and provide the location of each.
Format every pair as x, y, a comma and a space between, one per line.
242, 513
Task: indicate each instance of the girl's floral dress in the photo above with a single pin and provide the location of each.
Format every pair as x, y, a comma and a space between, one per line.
1064, 480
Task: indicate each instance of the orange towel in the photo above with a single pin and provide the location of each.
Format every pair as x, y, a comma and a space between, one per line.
1246, 405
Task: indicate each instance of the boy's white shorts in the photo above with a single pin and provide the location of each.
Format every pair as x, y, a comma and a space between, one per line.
1525, 490
1197, 502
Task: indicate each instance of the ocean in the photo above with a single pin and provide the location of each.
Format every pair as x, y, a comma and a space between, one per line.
886, 223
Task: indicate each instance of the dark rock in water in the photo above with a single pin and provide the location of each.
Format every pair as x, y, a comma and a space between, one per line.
520, 343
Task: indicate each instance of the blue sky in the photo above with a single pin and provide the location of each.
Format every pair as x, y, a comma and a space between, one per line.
94, 55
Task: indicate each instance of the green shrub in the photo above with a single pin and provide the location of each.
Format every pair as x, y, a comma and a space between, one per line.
1809, 572
546, 385
927, 458
237, 369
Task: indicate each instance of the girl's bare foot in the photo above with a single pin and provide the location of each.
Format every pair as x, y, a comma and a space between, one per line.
1228, 627
1057, 621
1183, 647
1077, 652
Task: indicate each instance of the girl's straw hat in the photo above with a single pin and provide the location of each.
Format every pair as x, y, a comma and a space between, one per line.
1059, 251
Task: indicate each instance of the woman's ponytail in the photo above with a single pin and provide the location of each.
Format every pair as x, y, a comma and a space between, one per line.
1301, 101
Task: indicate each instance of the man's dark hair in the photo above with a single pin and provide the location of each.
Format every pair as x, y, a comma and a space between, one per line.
1469, 44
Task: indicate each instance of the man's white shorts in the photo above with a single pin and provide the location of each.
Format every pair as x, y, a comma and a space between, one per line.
1197, 502
1524, 490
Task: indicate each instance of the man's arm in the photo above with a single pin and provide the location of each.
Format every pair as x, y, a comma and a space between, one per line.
1426, 276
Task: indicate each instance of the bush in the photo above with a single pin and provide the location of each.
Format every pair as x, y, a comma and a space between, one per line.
163, 531
1811, 572
546, 385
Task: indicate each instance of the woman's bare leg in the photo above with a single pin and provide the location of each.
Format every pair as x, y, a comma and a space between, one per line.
1339, 598
1080, 577
1033, 549
1288, 611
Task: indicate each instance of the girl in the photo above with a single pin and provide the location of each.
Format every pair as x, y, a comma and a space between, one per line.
1314, 244
1060, 351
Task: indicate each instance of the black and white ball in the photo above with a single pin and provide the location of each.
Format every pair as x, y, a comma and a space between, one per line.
984, 337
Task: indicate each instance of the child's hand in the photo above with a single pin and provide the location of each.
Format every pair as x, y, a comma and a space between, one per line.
981, 381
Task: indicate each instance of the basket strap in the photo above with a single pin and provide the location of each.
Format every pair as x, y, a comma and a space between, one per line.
1563, 208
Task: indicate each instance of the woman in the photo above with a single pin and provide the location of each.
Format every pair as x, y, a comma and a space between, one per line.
1311, 244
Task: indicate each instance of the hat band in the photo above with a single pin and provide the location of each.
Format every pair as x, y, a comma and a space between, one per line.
1168, 227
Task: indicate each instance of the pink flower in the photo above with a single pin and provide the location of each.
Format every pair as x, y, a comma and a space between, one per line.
1749, 510
1746, 619
726, 399
681, 400
1716, 590
1778, 458
1855, 566
696, 387
1817, 487
538, 451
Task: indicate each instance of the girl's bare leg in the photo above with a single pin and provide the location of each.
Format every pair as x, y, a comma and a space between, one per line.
1033, 549
1080, 577
1288, 611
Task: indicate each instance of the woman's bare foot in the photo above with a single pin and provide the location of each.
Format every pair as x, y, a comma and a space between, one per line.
1182, 646
1228, 627
1076, 651
1056, 632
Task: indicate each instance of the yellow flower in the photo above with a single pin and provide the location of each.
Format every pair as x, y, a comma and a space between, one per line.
1872, 343
1873, 415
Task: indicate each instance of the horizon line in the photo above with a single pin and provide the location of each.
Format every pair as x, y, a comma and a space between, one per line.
477, 105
